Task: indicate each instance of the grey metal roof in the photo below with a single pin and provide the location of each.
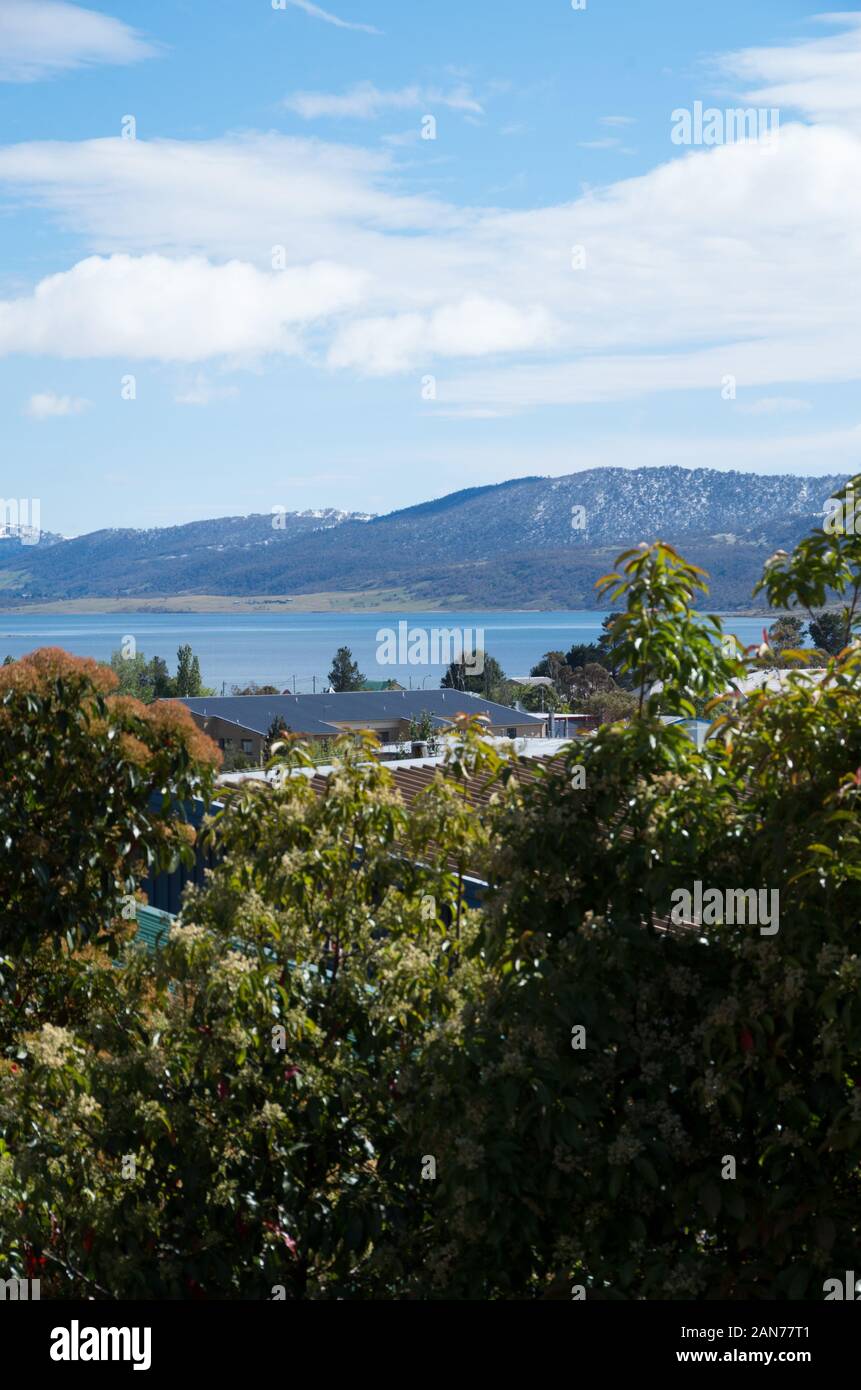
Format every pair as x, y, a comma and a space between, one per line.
318, 714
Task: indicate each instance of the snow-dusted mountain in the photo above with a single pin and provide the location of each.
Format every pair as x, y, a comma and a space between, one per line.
529, 543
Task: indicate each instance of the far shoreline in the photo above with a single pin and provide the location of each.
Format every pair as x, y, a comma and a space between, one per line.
226, 605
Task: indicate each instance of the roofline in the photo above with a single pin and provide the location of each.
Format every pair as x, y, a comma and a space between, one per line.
235, 722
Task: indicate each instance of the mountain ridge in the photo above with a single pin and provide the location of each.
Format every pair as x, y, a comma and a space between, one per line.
516, 544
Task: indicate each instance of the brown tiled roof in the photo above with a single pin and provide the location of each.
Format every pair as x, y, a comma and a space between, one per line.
409, 781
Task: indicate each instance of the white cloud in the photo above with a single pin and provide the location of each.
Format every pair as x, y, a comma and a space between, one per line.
184, 311
472, 327
317, 13
624, 376
618, 120
39, 38
364, 101
724, 260
774, 405
821, 78
46, 405
228, 197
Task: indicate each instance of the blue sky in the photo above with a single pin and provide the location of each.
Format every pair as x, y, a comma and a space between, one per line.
319, 307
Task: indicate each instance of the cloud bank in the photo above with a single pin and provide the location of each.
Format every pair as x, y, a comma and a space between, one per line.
732, 260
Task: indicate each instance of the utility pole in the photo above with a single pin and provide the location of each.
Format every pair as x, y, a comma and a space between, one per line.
314, 684
294, 685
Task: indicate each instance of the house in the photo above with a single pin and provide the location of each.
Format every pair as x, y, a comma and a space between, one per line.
240, 723
571, 725
778, 680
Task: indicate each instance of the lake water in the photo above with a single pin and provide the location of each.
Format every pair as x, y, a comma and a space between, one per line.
296, 650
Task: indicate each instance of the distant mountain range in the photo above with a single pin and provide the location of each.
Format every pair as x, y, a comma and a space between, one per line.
520, 544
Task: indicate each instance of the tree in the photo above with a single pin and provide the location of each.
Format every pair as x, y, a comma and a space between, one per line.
188, 682
130, 672
698, 1136
483, 676
785, 633
590, 680
194, 680
552, 665
276, 733
583, 654
158, 680
146, 681
827, 632
423, 730
254, 689
338, 1080
221, 1120
345, 674
608, 650
86, 780
610, 705
537, 699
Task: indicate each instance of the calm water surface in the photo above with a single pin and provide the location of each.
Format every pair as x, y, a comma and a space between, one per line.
296, 649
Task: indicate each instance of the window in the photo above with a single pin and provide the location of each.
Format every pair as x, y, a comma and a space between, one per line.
221, 744
247, 745
511, 733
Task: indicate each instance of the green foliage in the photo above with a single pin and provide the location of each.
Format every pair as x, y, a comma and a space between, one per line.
345, 673
537, 699
660, 637
823, 564
233, 760
602, 1165
254, 689
609, 704
275, 734
827, 632
415, 1029
559, 666
150, 680
786, 633
78, 768
487, 681
255, 1165
580, 675
188, 682
144, 680
423, 730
